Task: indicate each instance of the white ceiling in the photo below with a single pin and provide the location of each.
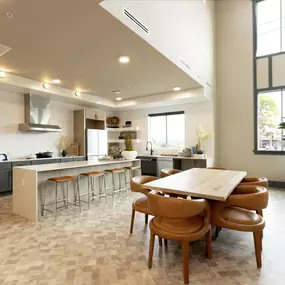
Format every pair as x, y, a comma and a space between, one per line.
79, 42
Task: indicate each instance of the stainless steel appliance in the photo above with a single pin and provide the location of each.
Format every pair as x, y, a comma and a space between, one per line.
148, 165
37, 115
97, 145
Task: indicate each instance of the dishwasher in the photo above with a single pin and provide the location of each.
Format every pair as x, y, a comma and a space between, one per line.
164, 163
148, 165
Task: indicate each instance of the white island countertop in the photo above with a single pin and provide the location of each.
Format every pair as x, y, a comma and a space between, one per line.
69, 165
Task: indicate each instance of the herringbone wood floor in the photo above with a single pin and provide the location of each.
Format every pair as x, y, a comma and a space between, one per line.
95, 247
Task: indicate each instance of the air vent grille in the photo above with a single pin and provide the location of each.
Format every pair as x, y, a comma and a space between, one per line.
185, 63
136, 21
4, 49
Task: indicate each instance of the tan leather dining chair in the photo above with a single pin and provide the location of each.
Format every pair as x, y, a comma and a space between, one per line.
168, 172
255, 181
180, 220
140, 204
237, 213
217, 168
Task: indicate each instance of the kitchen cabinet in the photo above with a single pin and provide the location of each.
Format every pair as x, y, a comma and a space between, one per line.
164, 163
80, 158
5, 177
67, 159
21, 163
45, 161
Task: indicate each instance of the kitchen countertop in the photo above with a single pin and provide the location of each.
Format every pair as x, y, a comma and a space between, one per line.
30, 159
69, 165
176, 157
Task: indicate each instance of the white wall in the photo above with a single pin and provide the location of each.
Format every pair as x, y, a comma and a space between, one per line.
177, 29
19, 144
195, 114
234, 106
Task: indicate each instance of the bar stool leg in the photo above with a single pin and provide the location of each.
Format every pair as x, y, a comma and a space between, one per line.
105, 189
93, 180
67, 196
63, 195
55, 208
88, 193
114, 185
43, 199
78, 193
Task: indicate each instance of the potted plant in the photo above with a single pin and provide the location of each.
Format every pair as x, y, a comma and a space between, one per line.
63, 145
129, 153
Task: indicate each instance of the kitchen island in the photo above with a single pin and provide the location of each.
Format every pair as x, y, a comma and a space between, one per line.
29, 181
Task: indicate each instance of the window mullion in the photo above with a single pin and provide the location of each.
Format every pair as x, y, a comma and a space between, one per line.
281, 29
166, 135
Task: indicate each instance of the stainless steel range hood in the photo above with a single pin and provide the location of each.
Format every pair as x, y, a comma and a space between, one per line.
37, 115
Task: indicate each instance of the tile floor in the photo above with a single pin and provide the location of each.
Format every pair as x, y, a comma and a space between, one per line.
95, 247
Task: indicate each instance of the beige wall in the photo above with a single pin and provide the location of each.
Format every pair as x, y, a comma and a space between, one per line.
18, 144
234, 106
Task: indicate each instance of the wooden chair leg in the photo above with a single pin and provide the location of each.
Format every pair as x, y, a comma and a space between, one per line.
217, 232
165, 242
209, 244
132, 221
151, 247
160, 241
260, 213
257, 244
185, 250
146, 218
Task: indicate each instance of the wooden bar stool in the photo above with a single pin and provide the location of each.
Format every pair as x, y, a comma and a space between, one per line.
63, 181
131, 171
91, 176
120, 172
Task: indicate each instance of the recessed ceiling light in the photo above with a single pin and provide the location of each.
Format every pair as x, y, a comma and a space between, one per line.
9, 15
45, 85
77, 93
2, 74
124, 59
56, 81
177, 88
97, 103
118, 98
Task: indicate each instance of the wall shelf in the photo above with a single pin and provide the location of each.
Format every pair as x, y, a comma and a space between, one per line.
131, 129
122, 141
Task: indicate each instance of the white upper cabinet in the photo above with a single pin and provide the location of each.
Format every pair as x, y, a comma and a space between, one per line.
95, 114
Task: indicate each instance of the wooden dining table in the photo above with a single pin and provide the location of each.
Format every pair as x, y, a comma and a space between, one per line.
205, 183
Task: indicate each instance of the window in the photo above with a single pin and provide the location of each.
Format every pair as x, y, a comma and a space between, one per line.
167, 130
271, 107
270, 24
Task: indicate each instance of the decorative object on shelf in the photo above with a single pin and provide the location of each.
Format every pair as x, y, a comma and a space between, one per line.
202, 136
113, 122
129, 153
132, 135
63, 145
128, 124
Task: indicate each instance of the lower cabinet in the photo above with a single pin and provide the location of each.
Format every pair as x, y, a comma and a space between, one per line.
5, 177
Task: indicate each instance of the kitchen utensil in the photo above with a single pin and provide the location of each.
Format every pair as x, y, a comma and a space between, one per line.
47, 154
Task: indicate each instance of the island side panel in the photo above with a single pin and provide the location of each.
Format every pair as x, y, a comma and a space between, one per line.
25, 193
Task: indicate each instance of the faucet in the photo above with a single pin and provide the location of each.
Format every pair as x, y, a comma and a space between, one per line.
146, 148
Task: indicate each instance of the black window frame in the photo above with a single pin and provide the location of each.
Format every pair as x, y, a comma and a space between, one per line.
262, 90
167, 114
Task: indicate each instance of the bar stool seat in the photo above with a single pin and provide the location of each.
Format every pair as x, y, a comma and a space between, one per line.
121, 172
91, 176
62, 178
132, 167
115, 170
93, 173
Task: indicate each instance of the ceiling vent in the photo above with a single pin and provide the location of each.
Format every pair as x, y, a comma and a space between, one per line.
136, 21
4, 49
184, 63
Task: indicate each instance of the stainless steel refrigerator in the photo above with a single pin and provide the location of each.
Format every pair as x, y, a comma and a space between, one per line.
97, 144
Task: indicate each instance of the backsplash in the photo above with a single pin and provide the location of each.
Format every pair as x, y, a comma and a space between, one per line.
18, 144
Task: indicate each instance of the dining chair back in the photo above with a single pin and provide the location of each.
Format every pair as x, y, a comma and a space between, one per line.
168, 171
